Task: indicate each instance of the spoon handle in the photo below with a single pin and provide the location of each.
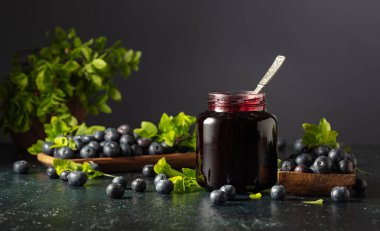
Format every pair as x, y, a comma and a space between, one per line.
270, 73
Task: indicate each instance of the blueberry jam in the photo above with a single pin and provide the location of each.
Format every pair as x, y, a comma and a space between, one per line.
236, 143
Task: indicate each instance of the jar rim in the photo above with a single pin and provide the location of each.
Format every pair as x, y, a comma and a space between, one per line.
236, 101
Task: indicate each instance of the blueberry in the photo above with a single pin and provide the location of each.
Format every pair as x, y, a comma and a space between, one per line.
302, 168
299, 146
64, 175
87, 139
125, 150
120, 180
229, 190
124, 129
164, 186
159, 177
155, 148
148, 170
278, 192
135, 135
340, 194
77, 178
51, 172
102, 143
111, 149
21, 167
322, 150
136, 150
46, 148
337, 154
352, 157
281, 144
288, 165
115, 191
111, 135
65, 153
127, 139
346, 167
304, 159
78, 144
138, 185
88, 152
167, 148
144, 142
95, 145
218, 197
94, 166
55, 152
322, 165
99, 136
360, 185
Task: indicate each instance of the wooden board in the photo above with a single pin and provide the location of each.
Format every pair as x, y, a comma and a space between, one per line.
297, 183
132, 163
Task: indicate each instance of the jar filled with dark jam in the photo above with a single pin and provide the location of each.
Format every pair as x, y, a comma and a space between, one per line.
237, 143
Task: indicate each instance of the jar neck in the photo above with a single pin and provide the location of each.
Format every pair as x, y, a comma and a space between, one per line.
242, 101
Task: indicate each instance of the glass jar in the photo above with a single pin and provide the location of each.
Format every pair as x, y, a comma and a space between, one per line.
237, 142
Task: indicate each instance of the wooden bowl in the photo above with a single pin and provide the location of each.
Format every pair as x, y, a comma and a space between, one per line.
312, 184
132, 163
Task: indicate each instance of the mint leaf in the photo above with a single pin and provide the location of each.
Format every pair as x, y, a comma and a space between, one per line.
189, 172
165, 123
255, 196
147, 130
164, 167
61, 165
36, 148
321, 134
316, 202
168, 137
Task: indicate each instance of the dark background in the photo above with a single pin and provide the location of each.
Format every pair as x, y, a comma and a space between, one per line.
193, 47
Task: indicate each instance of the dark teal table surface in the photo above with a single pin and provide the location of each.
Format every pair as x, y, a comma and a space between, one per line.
34, 202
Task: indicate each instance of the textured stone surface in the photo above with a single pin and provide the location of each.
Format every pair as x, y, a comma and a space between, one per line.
34, 202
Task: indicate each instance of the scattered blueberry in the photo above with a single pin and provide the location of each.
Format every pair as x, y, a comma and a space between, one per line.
120, 180
288, 165
127, 139
99, 136
148, 170
346, 167
155, 148
51, 172
360, 185
164, 186
124, 129
229, 190
340, 194
64, 175
111, 135
304, 159
136, 150
337, 154
138, 185
278, 192
111, 149
46, 148
125, 150
115, 190
77, 178
143, 142
21, 167
321, 150
322, 165
159, 177
218, 197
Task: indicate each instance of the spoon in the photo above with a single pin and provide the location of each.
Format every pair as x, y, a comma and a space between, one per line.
270, 73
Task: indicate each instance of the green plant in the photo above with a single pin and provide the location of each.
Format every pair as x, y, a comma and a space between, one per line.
57, 79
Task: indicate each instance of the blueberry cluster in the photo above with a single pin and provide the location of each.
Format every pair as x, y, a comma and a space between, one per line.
220, 196
320, 160
109, 143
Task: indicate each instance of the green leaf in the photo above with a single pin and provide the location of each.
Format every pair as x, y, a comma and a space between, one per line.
255, 196
99, 64
36, 148
189, 172
316, 202
40, 80
163, 167
86, 53
105, 108
61, 165
114, 94
165, 123
169, 138
21, 80
97, 80
321, 134
147, 130
71, 66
